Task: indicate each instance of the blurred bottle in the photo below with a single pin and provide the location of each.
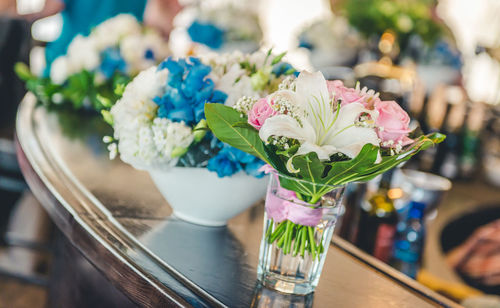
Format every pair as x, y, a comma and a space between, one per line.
446, 161
409, 241
432, 121
377, 223
354, 196
470, 147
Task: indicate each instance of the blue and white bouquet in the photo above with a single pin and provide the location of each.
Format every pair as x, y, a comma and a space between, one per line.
331, 41
216, 26
112, 54
160, 120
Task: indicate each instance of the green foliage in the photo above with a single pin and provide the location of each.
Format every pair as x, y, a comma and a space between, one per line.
223, 121
403, 17
78, 91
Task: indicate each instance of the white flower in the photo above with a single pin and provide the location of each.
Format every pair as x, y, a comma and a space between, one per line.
230, 78
59, 70
143, 140
82, 54
111, 31
316, 123
134, 47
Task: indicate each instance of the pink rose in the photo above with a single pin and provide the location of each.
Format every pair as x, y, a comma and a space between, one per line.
260, 112
349, 95
392, 124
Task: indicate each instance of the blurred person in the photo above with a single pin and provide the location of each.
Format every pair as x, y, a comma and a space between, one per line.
159, 14
79, 17
479, 256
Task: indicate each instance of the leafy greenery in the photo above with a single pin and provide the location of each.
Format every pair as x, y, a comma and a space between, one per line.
79, 90
402, 17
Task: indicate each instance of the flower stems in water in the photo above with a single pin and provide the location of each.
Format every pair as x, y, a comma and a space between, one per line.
293, 238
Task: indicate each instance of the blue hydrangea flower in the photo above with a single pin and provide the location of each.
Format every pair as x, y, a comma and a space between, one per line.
223, 165
253, 168
206, 33
112, 62
187, 90
281, 68
231, 160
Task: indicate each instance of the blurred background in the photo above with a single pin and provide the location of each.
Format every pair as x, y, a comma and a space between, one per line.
437, 219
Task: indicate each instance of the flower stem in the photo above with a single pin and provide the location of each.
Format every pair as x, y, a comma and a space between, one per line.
312, 242
279, 231
302, 241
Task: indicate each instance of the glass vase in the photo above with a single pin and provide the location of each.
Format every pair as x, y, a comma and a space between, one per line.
296, 234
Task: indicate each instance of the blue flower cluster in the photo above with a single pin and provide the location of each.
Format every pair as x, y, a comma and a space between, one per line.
112, 62
206, 33
187, 90
229, 161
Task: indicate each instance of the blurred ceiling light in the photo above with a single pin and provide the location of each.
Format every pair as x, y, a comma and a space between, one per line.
395, 193
47, 29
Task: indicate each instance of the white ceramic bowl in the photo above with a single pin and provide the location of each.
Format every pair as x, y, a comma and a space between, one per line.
201, 197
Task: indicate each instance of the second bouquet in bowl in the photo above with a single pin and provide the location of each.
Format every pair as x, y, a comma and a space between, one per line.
159, 126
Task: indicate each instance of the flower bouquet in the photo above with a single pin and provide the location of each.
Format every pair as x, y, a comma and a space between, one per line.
159, 126
96, 67
221, 27
331, 42
316, 136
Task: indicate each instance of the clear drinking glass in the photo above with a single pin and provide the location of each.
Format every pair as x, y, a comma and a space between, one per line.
296, 269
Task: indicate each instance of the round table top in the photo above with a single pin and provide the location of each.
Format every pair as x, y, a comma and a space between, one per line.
117, 218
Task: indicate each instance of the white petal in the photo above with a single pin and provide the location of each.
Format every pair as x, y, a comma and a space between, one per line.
313, 93
283, 125
324, 152
310, 85
346, 137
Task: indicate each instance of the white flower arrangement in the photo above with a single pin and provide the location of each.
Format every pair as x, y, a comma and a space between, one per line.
122, 33
331, 41
161, 113
222, 26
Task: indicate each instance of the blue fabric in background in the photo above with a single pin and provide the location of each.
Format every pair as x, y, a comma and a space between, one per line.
80, 16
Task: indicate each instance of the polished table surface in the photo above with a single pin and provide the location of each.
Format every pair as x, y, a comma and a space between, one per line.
116, 217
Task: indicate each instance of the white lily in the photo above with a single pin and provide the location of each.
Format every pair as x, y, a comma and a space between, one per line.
316, 122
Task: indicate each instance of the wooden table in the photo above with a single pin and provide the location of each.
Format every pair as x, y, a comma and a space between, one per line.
114, 215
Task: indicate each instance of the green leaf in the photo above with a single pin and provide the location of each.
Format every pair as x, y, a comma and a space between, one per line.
200, 131
243, 124
364, 167
221, 120
120, 89
104, 101
278, 58
107, 116
312, 170
23, 71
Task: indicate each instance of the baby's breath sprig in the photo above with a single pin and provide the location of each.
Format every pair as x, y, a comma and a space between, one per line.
244, 104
